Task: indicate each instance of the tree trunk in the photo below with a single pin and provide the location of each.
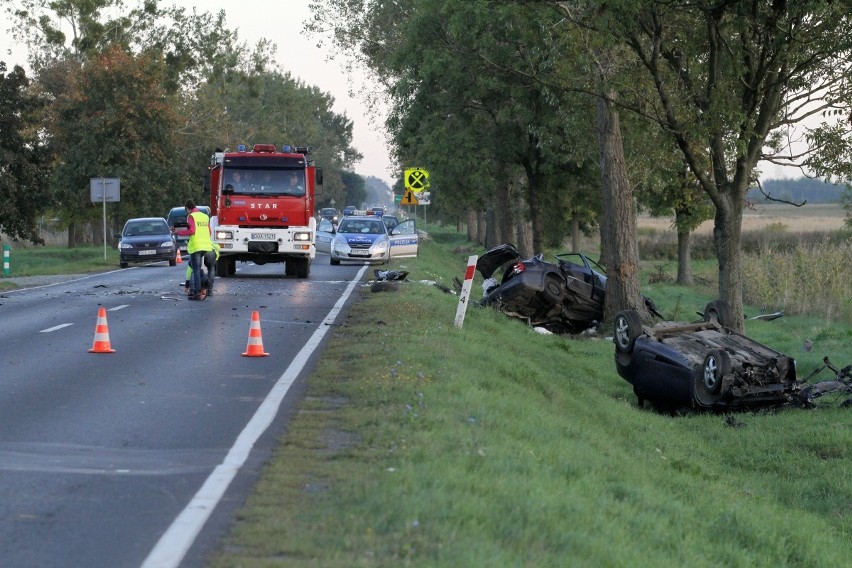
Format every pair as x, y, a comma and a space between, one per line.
505, 217
684, 259
575, 233
490, 227
727, 233
524, 240
618, 229
471, 225
480, 227
533, 182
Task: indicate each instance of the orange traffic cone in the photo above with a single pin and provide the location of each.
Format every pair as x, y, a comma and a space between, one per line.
178, 259
101, 343
255, 341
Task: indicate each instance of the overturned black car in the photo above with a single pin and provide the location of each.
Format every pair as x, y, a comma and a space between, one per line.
563, 297
705, 365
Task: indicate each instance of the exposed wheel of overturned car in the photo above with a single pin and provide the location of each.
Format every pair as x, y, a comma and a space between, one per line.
628, 327
719, 311
717, 364
554, 289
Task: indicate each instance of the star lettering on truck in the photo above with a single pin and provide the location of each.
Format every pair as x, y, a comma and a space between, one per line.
263, 206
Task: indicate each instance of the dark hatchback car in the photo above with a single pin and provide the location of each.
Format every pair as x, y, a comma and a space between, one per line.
146, 239
701, 364
329, 213
564, 297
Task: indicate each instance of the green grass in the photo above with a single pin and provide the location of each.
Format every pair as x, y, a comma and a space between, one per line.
36, 261
420, 444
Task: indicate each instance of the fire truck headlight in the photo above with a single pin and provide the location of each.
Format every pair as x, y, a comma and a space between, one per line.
301, 236
224, 235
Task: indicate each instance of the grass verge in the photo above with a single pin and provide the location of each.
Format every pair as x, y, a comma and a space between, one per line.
419, 444
38, 261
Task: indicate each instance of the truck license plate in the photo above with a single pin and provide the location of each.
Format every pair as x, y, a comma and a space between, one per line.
263, 236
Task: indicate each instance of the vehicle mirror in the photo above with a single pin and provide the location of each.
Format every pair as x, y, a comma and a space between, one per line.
229, 190
319, 176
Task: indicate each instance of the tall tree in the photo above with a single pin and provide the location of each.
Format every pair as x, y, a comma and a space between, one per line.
117, 120
727, 77
24, 157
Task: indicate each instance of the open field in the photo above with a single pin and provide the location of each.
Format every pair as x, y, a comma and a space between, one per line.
805, 219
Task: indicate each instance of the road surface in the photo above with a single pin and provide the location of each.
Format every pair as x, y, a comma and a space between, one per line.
105, 455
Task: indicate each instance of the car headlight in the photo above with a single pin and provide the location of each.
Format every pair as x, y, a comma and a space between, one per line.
124, 246
339, 243
167, 244
380, 246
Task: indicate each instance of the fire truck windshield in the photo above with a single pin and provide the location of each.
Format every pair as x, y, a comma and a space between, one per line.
253, 181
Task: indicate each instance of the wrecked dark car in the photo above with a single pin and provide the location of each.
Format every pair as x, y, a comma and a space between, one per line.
563, 297
705, 365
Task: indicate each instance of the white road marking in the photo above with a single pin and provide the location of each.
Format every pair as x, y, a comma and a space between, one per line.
121, 307
54, 328
176, 541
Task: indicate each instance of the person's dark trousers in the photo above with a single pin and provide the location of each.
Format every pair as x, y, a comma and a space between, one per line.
195, 261
210, 263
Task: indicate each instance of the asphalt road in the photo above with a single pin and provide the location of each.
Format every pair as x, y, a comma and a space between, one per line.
105, 455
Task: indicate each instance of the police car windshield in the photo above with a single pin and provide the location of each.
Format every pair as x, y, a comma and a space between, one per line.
362, 226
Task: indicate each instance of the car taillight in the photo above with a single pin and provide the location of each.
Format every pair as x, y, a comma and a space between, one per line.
518, 268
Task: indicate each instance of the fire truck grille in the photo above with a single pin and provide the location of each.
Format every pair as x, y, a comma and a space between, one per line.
262, 246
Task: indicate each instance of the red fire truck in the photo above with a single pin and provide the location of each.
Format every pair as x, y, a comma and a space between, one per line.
261, 206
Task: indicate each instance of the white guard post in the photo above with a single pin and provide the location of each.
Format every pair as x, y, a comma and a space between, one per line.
465, 291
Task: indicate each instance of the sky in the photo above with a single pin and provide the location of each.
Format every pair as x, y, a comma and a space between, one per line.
281, 22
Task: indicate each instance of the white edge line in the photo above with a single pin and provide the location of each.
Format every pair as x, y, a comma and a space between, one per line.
178, 538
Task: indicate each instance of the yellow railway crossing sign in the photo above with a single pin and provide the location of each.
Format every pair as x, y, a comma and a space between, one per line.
409, 198
416, 179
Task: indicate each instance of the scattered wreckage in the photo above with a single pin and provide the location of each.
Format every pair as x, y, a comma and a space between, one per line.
387, 280
705, 365
563, 297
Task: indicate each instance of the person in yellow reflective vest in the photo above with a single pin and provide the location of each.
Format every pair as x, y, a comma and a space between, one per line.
199, 244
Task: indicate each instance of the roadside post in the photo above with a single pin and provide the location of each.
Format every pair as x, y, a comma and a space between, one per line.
103, 190
7, 269
465, 291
